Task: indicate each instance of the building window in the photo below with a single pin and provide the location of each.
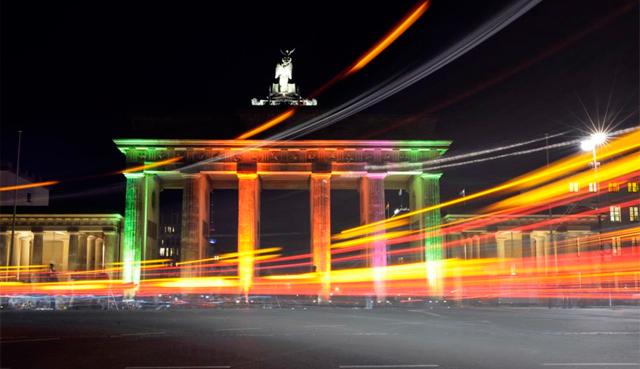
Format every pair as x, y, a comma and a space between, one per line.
593, 187
614, 214
633, 214
574, 187
614, 187
632, 187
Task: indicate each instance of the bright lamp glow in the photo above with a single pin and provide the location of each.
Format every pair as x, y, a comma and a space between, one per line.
598, 138
586, 145
595, 139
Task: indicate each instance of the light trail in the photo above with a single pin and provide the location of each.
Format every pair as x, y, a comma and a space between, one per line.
406, 166
623, 144
589, 267
390, 37
268, 124
28, 185
150, 165
393, 86
125, 171
404, 24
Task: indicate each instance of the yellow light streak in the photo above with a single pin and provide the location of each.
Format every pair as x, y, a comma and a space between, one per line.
617, 147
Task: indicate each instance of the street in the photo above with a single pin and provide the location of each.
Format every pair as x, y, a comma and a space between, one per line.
322, 337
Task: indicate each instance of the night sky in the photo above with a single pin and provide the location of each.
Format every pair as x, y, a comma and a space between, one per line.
75, 75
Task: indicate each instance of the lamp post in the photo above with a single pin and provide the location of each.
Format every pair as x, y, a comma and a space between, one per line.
591, 144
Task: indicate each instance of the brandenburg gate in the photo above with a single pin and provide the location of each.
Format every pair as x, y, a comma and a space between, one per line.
252, 165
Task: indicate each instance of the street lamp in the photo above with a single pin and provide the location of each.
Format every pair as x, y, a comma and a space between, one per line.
592, 143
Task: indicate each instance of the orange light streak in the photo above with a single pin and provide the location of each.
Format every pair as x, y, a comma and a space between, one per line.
268, 124
29, 185
405, 23
151, 165
390, 37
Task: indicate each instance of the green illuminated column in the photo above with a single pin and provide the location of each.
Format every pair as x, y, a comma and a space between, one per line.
425, 192
141, 223
433, 239
152, 215
133, 235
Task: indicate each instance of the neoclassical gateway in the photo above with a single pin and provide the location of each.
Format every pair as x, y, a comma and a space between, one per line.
249, 166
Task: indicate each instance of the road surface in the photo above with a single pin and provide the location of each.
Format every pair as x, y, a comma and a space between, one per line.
319, 338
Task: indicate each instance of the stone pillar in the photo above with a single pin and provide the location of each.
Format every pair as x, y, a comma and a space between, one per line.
152, 213
90, 246
425, 192
320, 208
99, 253
134, 224
5, 243
372, 208
195, 220
74, 251
65, 255
25, 252
38, 246
248, 227
111, 246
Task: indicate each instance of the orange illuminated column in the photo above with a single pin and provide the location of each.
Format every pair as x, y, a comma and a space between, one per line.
320, 198
248, 227
195, 220
372, 208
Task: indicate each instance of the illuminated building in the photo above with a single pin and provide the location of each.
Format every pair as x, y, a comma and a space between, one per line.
71, 242
249, 166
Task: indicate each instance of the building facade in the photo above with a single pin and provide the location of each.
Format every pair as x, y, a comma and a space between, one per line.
71, 242
198, 167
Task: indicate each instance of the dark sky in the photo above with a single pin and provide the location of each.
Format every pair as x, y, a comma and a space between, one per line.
75, 75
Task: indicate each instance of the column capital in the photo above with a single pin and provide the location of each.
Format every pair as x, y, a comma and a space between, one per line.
431, 175
247, 175
134, 175
380, 175
192, 175
320, 175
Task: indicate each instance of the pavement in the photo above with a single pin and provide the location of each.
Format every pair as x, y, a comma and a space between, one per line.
322, 337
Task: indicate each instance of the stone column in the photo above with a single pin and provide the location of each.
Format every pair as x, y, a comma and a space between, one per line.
99, 253
134, 228
248, 227
5, 243
372, 208
74, 251
111, 251
195, 220
152, 190
320, 208
425, 192
90, 247
25, 252
38, 246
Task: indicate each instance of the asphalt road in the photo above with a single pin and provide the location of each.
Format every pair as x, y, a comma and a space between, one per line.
337, 338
